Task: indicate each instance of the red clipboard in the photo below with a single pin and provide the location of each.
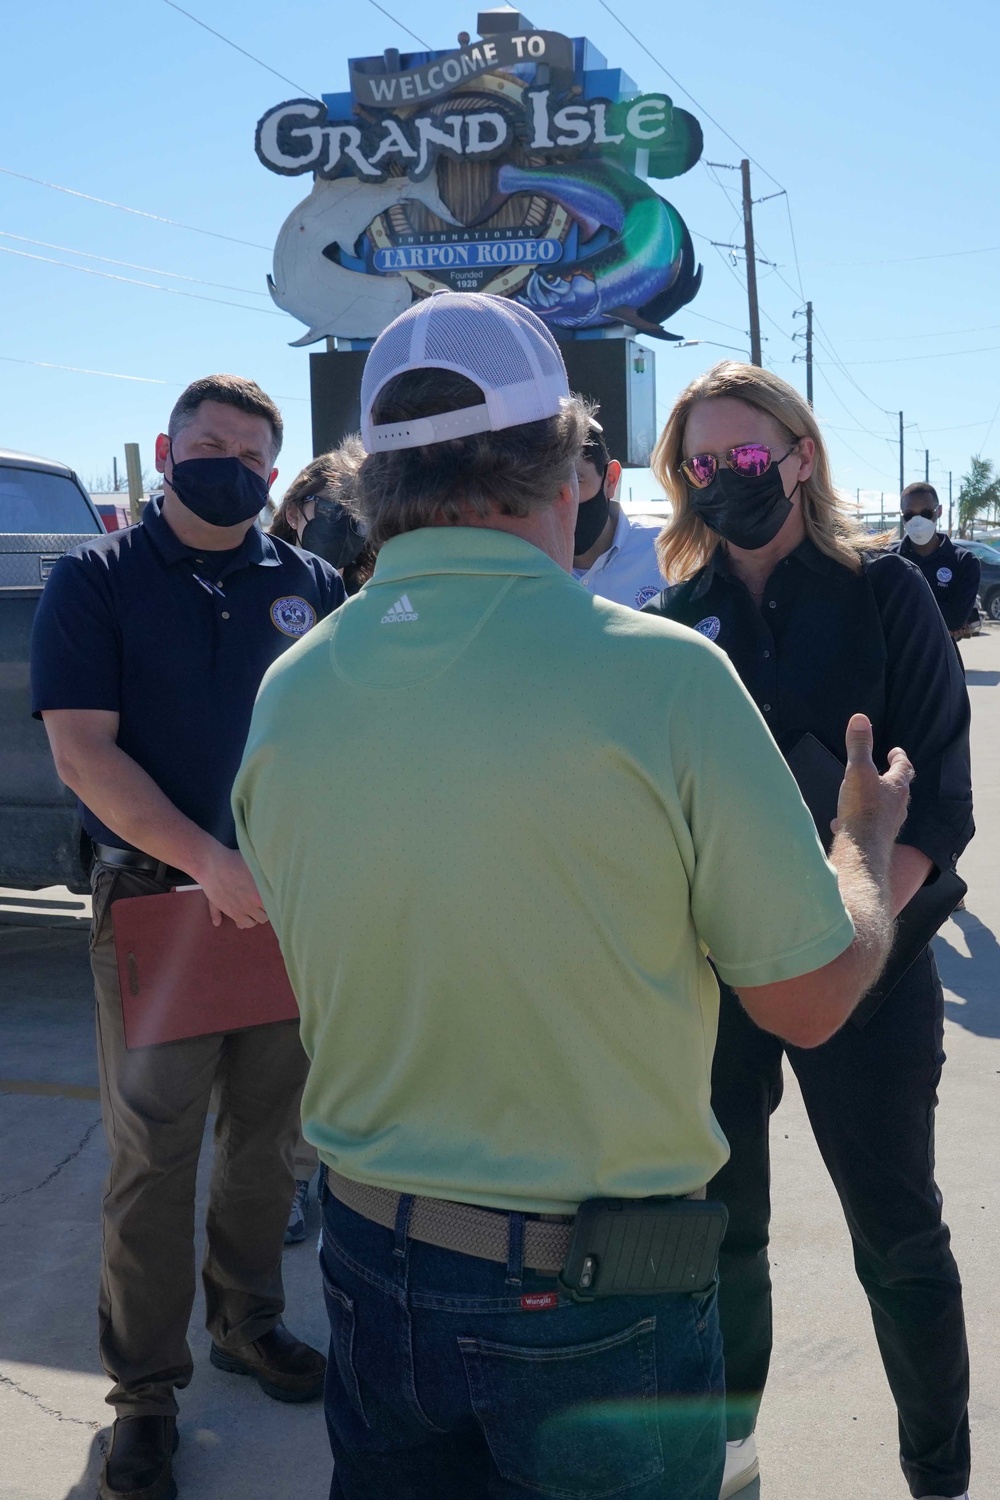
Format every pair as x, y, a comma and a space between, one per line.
181, 977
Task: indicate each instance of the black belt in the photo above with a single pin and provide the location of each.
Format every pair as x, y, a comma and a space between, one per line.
131, 859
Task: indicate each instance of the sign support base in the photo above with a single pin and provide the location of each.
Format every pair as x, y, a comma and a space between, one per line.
618, 373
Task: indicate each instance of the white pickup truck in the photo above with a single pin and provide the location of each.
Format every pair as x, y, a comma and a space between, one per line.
44, 511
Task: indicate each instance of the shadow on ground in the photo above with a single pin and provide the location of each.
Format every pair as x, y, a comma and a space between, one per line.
973, 980
86, 1486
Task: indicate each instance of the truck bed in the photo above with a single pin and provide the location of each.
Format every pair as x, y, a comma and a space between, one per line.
41, 841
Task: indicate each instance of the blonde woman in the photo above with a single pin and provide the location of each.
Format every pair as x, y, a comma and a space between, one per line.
820, 624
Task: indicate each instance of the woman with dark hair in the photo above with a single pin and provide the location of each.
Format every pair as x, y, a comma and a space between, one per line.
820, 623
315, 514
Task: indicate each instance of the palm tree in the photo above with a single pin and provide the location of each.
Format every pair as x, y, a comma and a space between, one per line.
980, 492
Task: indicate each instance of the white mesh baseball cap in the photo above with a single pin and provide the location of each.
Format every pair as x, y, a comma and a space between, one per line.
503, 347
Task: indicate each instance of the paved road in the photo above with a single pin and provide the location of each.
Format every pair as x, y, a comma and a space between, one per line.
827, 1429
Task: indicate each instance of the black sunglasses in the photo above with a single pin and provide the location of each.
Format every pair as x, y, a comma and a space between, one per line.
928, 515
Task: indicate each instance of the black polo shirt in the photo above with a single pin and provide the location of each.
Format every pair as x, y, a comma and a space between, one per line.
827, 643
175, 641
953, 575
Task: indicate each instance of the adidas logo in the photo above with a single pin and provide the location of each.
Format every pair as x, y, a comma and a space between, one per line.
401, 610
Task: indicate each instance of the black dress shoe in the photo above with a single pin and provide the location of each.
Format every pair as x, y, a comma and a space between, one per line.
138, 1463
282, 1365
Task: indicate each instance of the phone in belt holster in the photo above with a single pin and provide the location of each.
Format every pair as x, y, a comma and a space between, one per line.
643, 1246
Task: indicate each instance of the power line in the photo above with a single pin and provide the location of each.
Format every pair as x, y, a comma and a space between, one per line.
676, 81
236, 48
131, 281
140, 212
905, 359
841, 402
989, 429
899, 260
795, 248
760, 259
742, 285
827, 343
930, 431
898, 338
129, 265
43, 364
731, 138
690, 313
401, 26
847, 445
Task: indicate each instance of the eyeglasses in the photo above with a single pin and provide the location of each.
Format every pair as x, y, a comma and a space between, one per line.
928, 515
749, 460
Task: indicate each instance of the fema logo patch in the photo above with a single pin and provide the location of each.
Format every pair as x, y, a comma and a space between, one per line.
709, 627
644, 595
943, 576
292, 615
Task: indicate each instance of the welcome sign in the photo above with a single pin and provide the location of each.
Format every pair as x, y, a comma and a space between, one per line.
381, 89
517, 165
297, 137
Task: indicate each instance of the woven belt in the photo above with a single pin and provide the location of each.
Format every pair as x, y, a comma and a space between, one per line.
481, 1232
131, 859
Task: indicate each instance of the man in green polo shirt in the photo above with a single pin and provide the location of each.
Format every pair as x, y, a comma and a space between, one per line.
498, 824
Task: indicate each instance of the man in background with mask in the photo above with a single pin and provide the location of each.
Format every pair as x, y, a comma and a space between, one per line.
148, 649
953, 573
614, 556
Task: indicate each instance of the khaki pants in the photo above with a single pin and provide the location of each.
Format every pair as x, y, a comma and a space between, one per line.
154, 1102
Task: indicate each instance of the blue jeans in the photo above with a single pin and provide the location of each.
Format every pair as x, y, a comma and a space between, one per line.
452, 1378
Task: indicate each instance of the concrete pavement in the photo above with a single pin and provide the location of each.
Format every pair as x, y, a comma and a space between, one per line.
827, 1428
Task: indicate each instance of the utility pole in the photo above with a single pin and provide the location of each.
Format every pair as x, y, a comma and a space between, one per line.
809, 353
134, 470
902, 478
114, 466
807, 313
949, 502
927, 466
755, 355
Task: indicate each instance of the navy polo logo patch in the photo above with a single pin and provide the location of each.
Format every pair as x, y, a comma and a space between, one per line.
709, 627
943, 576
645, 594
292, 615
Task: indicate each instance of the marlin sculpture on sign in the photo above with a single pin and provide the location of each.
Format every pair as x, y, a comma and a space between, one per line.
640, 279
308, 281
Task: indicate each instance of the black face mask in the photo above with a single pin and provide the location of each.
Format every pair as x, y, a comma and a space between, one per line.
591, 519
221, 491
747, 512
333, 535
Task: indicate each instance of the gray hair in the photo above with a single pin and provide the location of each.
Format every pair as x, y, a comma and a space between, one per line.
515, 471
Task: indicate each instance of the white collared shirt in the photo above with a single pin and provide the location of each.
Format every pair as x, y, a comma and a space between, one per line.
627, 572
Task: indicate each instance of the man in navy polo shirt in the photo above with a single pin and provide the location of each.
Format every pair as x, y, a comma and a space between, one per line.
148, 649
615, 557
952, 572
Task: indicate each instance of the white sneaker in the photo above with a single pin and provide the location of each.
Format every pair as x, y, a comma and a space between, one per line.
741, 1468
964, 1496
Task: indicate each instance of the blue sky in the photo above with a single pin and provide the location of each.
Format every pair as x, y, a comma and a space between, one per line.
880, 120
